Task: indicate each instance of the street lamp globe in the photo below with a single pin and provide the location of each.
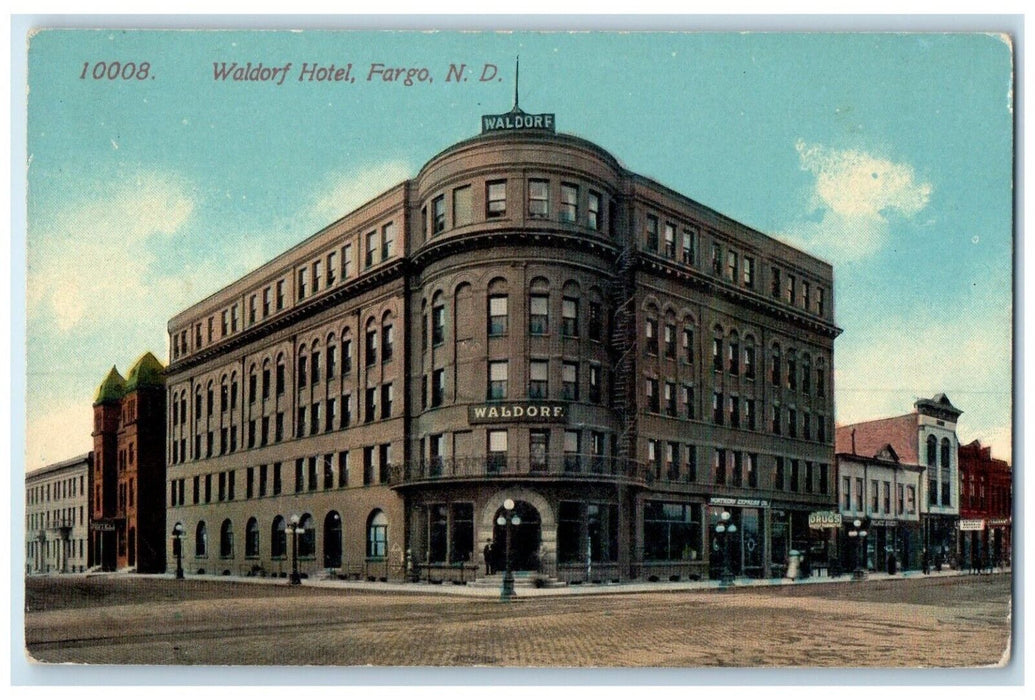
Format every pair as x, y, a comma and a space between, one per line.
501, 520
509, 504
720, 528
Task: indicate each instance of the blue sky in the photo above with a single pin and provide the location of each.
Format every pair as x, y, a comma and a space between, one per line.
890, 156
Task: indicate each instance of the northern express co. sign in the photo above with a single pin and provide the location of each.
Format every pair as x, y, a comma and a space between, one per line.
516, 120
509, 412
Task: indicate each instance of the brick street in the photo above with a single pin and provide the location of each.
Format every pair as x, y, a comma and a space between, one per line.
912, 622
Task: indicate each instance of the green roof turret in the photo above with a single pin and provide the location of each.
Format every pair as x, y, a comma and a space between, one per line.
147, 372
113, 388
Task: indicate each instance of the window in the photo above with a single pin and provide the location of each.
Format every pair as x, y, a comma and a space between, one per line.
794, 475
569, 212
670, 341
570, 317
497, 315
750, 417
497, 381
731, 266
251, 538
438, 388
670, 241
371, 405
858, 493
377, 535
462, 211
716, 258
774, 375
538, 314
751, 465
538, 449
538, 379
733, 356
346, 261
688, 401
911, 499
717, 407
650, 331
593, 211
749, 272
332, 267
224, 324
387, 343
387, 396
343, 469
538, 199
719, 466
497, 450
438, 325
945, 471
280, 294
316, 275
874, 496
749, 358
496, 199
689, 247
314, 367
792, 422
594, 383
253, 308
201, 540
886, 493
671, 531
371, 254
792, 286
303, 281
717, 353
595, 320
346, 355
792, 370
570, 381
688, 345
278, 537
670, 399
572, 462
734, 408
820, 301
387, 240
653, 399
805, 296
438, 215
226, 540
652, 233
846, 493
371, 345
776, 424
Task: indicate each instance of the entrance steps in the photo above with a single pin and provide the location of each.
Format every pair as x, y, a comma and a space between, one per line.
522, 579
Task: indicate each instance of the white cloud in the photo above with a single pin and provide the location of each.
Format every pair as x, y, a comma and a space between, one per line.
881, 371
344, 191
93, 257
852, 196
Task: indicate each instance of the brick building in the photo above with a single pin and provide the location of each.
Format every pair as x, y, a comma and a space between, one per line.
986, 507
57, 517
528, 320
927, 438
128, 514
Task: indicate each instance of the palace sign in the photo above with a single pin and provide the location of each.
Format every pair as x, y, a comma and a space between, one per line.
510, 412
824, 519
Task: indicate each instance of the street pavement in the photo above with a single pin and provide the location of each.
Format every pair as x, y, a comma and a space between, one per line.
944, 619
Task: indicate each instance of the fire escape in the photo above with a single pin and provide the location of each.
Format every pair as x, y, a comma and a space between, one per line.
623, 344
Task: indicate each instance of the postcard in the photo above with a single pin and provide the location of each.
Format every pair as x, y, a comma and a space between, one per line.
519, 349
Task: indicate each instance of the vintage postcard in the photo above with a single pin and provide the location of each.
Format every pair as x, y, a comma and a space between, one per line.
550, 349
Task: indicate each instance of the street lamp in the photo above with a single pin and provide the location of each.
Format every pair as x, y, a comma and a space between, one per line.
295, 530
860, 535
178, 548
723, 529
508, 519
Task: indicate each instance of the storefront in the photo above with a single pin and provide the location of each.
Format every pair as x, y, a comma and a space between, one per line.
940, 538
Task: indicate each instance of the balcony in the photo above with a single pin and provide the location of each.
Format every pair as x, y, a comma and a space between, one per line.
562, 467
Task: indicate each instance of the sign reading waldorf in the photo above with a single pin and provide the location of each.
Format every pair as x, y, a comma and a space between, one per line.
517, 120
508, 412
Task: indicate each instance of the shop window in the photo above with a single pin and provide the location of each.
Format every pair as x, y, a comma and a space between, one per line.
671, 531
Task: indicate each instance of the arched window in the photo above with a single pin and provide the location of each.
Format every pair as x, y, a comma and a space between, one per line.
932, 449
233, 391
303, 367
332, 540
226, 540
946, 445
806, 374
332, 357
792, 370
201, 540
278, 537
224, 394
774, 369
251, 538
370, 342
387, 337
253, 384
945, 473
346, 351
749, 356
307, 539
733, 353
377, 535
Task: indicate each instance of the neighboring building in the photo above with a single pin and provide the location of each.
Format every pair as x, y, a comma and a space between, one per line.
57, 517
526, 320
128, 520
883, 494
986, 507
926, 437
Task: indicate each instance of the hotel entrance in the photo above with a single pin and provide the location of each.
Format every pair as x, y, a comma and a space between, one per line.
525, 538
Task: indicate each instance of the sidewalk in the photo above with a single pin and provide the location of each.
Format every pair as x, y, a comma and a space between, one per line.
583, 589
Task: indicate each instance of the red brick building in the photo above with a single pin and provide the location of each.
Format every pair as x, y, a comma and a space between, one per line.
128, 514
986, 506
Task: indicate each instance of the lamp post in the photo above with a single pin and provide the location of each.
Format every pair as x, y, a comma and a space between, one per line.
725, 528
295, 530
178, 548
508, 519
860, 535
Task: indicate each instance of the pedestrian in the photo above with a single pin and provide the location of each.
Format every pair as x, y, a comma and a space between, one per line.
487, 553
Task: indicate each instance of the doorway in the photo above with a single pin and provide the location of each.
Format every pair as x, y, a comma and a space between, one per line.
525, 539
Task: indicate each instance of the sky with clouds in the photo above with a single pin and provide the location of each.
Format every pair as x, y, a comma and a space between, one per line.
890, 156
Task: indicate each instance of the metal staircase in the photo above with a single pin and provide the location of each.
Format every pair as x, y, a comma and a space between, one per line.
623, 345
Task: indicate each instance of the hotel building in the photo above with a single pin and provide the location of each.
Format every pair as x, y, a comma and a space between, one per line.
525, 319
